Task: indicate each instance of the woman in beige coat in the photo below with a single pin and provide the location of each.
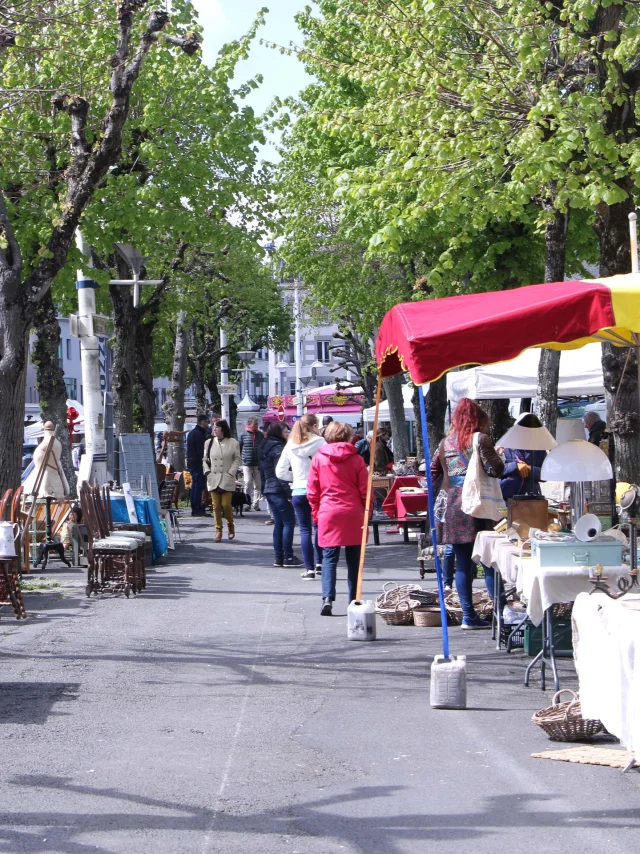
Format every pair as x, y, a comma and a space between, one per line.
221, 463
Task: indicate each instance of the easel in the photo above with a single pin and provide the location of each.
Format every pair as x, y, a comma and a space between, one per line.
49, 545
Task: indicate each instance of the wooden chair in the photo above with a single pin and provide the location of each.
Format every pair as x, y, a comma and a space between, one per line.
128, 530
111, 560
168, 493
10, 591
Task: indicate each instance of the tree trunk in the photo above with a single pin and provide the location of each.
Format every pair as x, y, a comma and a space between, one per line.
619, 364
212, 385
499, 418
50, 380
436, 403
14, 329
549, 367
174, 407
144, 377
124, 357
417, 420
393, 389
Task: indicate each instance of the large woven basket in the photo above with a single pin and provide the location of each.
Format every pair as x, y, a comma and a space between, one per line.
482, 604
426, 616
393, 603
564, 721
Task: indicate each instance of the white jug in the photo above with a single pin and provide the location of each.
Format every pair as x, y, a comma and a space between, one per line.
7, 540
361, 621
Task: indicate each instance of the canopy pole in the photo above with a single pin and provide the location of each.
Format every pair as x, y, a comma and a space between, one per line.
367, 509
633, 239
432, 522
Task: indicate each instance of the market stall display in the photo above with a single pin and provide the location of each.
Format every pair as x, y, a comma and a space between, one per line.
400, 502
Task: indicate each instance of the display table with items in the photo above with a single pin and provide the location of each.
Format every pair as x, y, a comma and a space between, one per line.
606, 642
543, 587
405, 504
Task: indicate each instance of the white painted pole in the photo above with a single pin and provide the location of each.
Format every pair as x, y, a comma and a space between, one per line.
93, 465
224, 374
296, 317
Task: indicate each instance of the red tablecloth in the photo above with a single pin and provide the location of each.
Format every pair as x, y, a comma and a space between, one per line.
397, 504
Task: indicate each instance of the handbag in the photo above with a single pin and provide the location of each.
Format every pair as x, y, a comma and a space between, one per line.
481, 494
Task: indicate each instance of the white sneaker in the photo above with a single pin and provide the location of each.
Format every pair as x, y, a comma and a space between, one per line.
447, 588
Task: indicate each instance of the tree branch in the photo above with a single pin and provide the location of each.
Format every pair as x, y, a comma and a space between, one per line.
13, 258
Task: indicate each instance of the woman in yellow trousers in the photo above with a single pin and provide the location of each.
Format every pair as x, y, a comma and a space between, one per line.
221, 463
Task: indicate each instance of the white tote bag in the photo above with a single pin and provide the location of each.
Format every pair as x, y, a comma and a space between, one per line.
481, 494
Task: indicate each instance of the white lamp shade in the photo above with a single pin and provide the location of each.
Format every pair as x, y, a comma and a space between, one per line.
527, 434
576, 460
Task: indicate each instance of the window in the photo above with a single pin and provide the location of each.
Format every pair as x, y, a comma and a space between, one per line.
60, 364
323, 351
69, 350
292, 387
71, 385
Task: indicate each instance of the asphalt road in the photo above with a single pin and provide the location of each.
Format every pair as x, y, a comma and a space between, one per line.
219, 712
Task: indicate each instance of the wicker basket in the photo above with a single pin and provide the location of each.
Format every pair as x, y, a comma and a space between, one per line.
393, 603
482, 604
423, 597
564, 721
426, 616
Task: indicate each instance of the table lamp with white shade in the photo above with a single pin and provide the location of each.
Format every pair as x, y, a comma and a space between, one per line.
576, 462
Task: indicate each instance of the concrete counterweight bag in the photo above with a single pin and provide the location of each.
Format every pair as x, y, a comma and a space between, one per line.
481, 494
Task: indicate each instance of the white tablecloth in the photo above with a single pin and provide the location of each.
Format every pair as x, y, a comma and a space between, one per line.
542, 588
498, 551
606, 647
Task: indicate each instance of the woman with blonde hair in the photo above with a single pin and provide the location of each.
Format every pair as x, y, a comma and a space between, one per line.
294, 465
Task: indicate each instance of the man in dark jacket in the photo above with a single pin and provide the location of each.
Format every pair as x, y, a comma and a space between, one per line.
595, 427
195, 454
251, 442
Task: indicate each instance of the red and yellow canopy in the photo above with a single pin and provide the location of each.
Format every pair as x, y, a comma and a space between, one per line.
431, 337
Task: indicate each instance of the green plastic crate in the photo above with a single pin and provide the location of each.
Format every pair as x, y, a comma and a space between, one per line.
562, 638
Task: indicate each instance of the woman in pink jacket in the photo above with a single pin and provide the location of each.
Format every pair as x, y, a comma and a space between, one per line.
337, 493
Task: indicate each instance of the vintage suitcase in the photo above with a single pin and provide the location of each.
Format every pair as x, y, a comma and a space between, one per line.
576, 553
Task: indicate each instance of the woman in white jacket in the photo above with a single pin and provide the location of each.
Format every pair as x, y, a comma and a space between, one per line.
294, 465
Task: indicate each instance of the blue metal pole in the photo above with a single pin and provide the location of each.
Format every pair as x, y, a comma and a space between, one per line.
432, 523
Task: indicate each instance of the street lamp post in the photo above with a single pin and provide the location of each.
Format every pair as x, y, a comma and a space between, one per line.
296, 318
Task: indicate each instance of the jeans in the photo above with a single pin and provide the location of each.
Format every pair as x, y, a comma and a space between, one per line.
448, 565
284, 522
198, 483
491, 578
311, 551
252, 483
330, 558
465, 573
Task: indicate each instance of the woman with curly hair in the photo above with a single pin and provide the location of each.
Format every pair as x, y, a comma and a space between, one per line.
453, 526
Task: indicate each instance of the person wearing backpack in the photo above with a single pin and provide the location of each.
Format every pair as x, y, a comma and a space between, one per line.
453, 525
294, 465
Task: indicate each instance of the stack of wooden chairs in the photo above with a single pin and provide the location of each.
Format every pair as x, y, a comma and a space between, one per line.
10, 590
115, 553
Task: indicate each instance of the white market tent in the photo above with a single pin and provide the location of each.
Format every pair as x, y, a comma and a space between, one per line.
580, 375
407, 394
